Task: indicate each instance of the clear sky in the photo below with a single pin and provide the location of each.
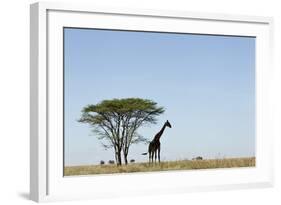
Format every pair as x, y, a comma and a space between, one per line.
206, 84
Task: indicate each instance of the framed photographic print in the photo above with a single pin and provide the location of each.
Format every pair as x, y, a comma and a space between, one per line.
127, 102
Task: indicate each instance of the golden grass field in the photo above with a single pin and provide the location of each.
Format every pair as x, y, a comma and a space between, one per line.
163, 166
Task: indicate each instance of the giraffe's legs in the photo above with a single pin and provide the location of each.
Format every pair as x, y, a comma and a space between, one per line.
155, 160
152, 156
159, 154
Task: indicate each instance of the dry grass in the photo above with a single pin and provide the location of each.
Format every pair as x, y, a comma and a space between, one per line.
163, 166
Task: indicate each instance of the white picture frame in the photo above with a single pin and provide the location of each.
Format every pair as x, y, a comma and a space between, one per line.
46, 179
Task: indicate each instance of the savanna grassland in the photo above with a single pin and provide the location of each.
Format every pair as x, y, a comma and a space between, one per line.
163, 166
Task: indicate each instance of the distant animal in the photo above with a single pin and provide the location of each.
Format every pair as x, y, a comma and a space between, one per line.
132, 160
111, 162
102, 162
155, 145
197, 158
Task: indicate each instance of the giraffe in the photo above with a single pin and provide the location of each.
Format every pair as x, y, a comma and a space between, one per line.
154, 145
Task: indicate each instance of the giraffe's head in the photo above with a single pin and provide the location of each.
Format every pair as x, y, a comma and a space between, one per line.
168, 124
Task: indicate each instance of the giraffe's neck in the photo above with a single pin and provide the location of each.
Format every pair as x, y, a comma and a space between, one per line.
159, 134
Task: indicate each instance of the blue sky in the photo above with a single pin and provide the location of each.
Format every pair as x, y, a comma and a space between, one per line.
206, 84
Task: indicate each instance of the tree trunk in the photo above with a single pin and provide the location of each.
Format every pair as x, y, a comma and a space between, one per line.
125, 155
125, 159
119, 159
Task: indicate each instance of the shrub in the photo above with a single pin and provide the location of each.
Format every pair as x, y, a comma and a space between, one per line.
111, 162
197, 158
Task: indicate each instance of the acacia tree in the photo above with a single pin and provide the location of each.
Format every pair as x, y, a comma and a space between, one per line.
116, 122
